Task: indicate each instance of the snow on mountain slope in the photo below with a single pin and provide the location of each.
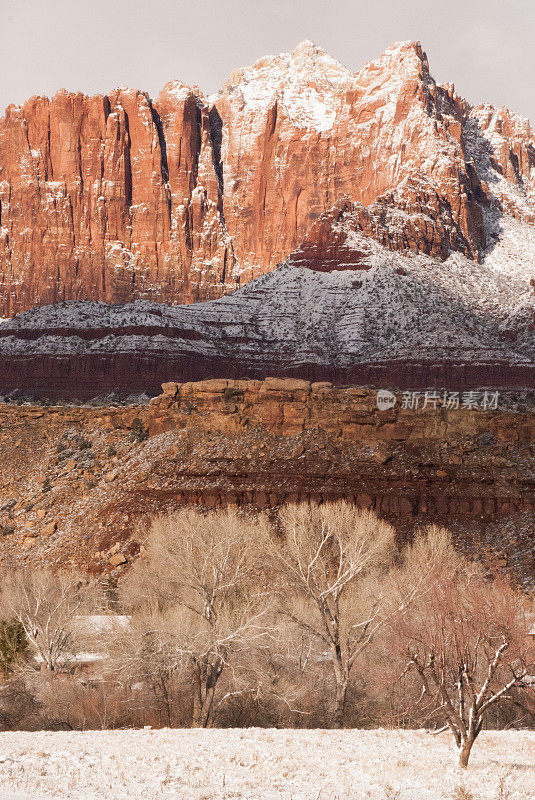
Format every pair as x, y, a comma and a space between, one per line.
396, 306
504, 165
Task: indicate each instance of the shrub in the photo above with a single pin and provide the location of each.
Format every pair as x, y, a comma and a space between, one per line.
461, 792
19, 709
13, 643
232, 394
7, 530
139, 431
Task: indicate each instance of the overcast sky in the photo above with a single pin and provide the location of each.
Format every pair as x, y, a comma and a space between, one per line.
486, 47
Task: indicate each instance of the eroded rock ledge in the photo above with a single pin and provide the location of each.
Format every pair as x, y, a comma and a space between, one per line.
77, 485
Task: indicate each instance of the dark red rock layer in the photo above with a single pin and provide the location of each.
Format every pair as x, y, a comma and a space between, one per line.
85, 376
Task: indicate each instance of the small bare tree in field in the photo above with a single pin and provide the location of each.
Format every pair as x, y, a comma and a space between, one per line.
197, 601
325, 564
463, 635
46, 605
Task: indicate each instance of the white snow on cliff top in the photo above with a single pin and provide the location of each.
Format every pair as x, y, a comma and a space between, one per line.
305, 82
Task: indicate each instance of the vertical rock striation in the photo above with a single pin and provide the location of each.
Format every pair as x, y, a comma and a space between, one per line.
182, 198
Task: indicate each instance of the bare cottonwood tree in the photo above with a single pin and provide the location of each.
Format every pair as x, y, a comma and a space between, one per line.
145, 656
196, 599
325, 562
46, 604
463, 635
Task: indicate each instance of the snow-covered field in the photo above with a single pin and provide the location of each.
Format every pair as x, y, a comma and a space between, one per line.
259, 764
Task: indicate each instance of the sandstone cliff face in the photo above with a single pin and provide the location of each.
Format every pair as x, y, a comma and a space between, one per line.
409, 219
76, 483
315, 133
182, 198
503, 145
109, 198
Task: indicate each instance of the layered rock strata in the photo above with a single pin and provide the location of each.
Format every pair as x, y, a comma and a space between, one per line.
78, 485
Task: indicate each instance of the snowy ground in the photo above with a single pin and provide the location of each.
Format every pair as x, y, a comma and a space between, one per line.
262, 765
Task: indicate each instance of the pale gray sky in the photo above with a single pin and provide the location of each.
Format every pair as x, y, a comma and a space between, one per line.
486, 47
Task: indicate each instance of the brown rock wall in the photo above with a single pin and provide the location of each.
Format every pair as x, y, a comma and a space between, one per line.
75, 482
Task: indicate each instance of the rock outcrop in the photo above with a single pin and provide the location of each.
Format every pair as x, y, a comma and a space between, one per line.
183, 198
108, 198
77, 485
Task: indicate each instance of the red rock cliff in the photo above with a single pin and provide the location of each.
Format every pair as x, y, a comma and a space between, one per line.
182, 198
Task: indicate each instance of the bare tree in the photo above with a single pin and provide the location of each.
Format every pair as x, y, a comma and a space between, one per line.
326, 561
463, 635
46, 604
197, 601
145, 659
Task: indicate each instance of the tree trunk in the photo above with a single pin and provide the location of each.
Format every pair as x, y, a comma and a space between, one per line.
198, 714
341, 678
205, 680
202, 708
166, 700
464, 752
340, 704
196, 721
